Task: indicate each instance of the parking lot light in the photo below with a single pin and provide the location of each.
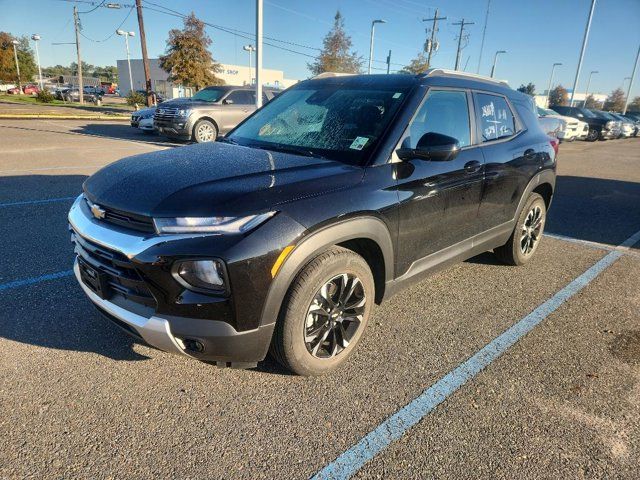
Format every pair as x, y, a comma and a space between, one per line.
373, 27
586, 92
495, 60
550, 82
36, 38
126, 36
250, 49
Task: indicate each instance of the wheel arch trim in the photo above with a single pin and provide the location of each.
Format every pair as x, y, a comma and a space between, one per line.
368, 227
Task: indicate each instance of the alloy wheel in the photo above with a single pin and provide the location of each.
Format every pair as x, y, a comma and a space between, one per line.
334, 316
205, 133
531, 230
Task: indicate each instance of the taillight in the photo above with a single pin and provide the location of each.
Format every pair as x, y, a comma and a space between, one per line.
555, 143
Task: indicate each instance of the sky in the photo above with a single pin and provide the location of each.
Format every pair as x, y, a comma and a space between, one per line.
535, 33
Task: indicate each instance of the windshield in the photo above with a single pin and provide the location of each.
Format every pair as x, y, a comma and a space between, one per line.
588, 113
337, 122
210, 94
546, 111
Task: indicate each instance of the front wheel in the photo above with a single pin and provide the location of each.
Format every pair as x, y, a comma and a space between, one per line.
593, 135
527, 233
205, 131
325, 313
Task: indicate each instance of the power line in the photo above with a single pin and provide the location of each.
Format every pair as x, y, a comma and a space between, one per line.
114, 31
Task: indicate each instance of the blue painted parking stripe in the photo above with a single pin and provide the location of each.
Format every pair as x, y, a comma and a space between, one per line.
37, 202
30, 281
394, 427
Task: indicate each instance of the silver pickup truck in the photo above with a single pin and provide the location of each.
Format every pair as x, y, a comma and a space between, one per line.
211, 112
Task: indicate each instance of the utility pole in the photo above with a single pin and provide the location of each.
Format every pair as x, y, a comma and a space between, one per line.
434, 28
259, 12
553, 69
76, 22
145, 57
462, 23
389, 62
484, 32
633, 76
15, 43
584, 47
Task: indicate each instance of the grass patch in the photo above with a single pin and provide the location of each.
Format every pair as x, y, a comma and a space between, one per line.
31, 100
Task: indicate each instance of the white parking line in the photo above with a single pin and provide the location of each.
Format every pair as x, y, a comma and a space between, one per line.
395, 426
623, 247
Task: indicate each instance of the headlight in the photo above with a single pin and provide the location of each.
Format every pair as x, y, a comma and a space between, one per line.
184, 112
200, 274
210, 224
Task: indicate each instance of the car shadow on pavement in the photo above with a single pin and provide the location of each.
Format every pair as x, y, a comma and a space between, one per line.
124, 131
595, 209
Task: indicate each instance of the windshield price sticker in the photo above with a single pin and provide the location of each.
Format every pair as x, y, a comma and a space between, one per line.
359, 143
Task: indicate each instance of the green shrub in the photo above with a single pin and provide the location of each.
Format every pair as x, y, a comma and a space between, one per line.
45, 96
136, 97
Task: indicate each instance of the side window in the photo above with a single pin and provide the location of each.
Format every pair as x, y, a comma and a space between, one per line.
445, 112
495, 117
242, 97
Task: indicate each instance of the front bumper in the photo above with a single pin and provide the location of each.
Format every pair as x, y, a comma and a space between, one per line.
227, 329
175, 128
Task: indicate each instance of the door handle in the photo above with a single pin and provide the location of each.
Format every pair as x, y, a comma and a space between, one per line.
472, 166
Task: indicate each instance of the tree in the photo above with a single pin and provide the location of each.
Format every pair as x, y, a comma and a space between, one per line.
591, 102
188, 60
529, 89
615, 101
634, 106
8, 73
336, 55
418, 65
558, 96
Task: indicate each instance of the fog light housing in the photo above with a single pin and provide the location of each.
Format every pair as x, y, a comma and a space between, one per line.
201, 275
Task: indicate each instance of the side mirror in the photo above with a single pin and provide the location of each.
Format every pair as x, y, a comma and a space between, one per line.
432, 146
227, 101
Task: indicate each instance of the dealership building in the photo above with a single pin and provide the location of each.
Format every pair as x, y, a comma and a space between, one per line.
231, 74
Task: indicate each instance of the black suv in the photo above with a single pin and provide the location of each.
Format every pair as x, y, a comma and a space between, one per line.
599, 127
331, 198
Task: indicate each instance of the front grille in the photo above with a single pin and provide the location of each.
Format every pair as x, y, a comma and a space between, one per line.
165, 113
133, 221
119, 273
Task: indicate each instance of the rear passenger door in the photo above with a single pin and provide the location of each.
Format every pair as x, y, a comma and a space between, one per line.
439, 199
510, 158
237, 106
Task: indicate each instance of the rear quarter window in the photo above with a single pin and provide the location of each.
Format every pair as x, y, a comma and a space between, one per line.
495, 117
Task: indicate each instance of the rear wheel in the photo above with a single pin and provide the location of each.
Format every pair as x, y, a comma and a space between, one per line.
205, 131
325, 313
527, 233
592, 136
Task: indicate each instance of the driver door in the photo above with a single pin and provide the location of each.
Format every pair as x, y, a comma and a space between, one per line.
439, 200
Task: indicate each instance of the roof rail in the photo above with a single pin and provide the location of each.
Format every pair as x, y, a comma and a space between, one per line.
331, 74
457, 73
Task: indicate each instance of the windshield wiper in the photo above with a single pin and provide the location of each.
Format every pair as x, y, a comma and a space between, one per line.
228, 140
289, 149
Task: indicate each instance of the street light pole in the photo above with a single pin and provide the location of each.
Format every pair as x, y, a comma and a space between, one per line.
250, 49
550, 82
126, 36
495, 61
15, 55
373, 27
36, 38
584, 47
259, 12
633, 76
586, 92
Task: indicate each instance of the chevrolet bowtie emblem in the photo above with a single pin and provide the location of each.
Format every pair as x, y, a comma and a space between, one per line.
98, 211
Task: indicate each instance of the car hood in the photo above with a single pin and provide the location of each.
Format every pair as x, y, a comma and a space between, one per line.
214, 179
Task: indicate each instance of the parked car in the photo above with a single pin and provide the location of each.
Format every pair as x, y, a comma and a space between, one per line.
551, 125
73, 95
27, 90
628, 127
143, 119
570, 128
635, 118
159, 97
599, 128
211, 112
91, 90
615, 125
334, 196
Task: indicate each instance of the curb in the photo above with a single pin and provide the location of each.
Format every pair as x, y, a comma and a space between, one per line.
36, 116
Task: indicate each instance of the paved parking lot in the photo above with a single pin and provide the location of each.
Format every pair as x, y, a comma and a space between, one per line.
80, 399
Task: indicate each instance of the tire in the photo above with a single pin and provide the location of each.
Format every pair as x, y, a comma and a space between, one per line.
310, 334
593, 135
529, 229
205, 131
